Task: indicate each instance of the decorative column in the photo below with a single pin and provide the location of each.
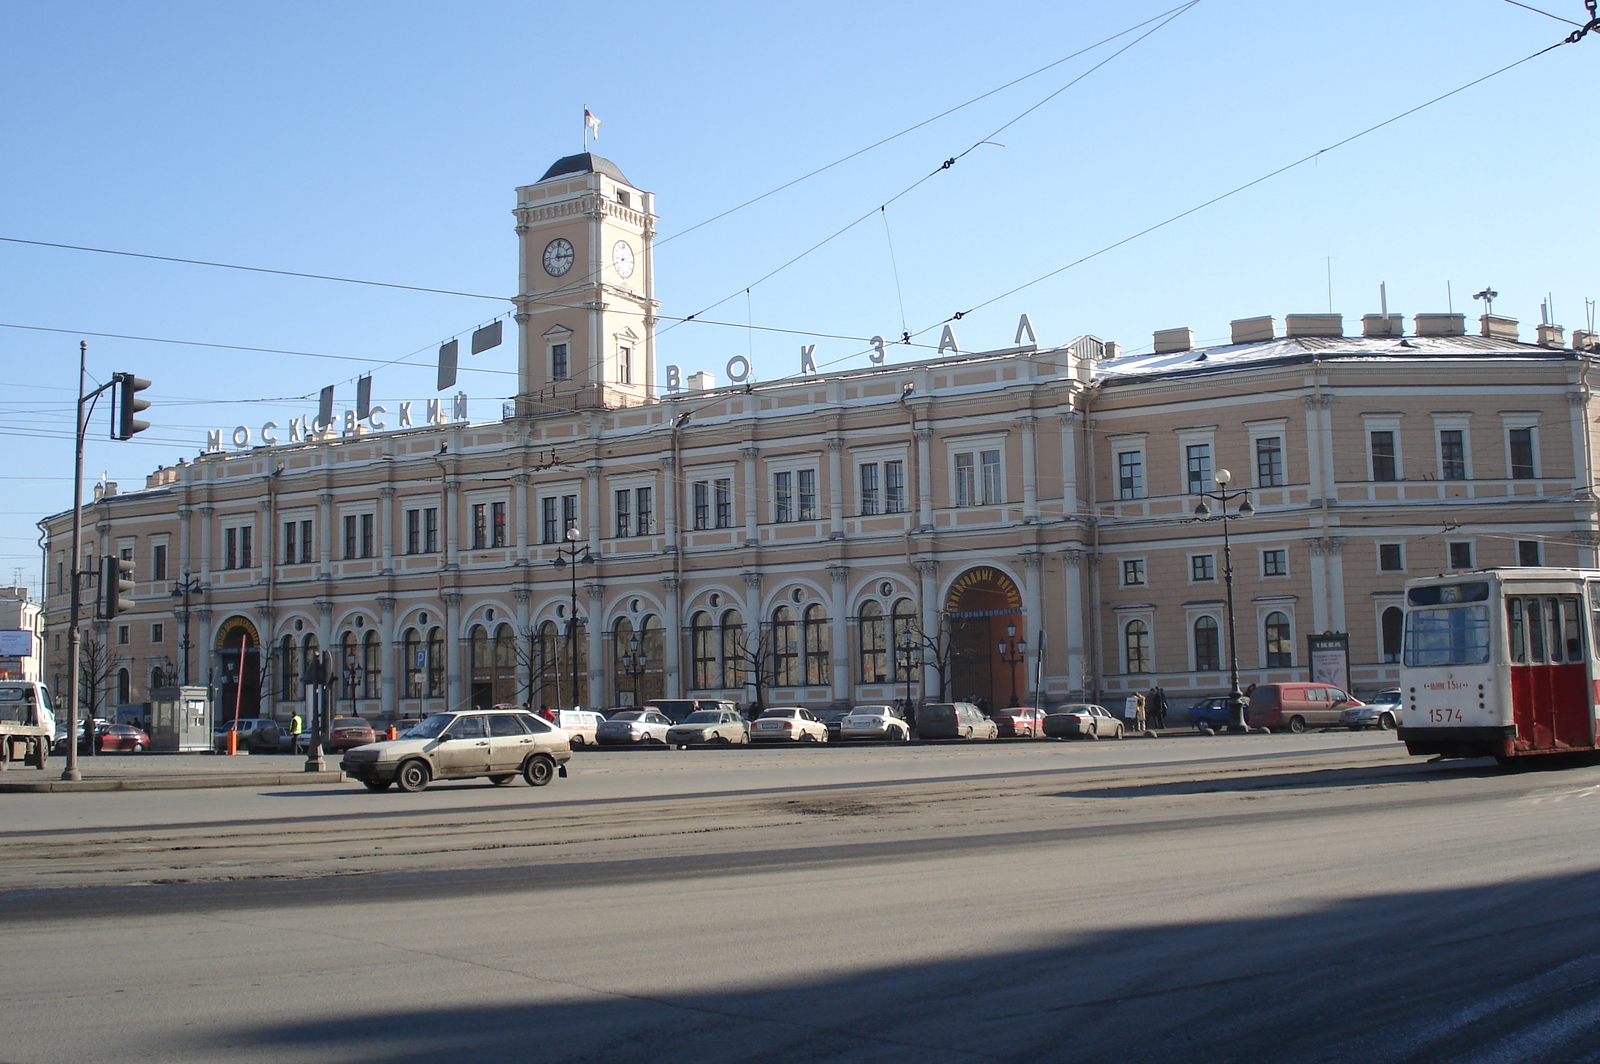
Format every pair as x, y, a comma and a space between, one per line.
593, 509
840, 651
325, 535
325, 626
927, 570
752, 492
669, 503
265, 615
672, 638
452, 650
390, 657
836, 489
1327, 583
752, 613
266, 542
599, 668
524, 626
924, 480
207, 535
1030, 469
185, 559
1076, 659
520, 512
1071, 504
205, 643
451, 490
1032, 617
386, 525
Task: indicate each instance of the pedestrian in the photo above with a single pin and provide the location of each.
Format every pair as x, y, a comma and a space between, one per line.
1155, 705
1133, 711
297, 724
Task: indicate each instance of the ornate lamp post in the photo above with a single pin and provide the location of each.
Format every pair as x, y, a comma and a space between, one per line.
633, 665
908, 660
1017, 653
1202, 512
570, 558
183, 589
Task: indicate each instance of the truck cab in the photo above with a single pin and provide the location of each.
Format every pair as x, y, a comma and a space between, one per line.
27, 724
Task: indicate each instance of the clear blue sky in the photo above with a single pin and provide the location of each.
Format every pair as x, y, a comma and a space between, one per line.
383, 141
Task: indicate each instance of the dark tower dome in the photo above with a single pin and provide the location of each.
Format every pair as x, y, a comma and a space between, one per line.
585, 163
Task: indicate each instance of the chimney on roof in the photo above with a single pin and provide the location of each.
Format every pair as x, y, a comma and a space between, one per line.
703, 381
1254, 330
1552, 336
1170, 340
1584, 340
1498, 327
1315, 325
1374, 325
1441, 324
1111, 351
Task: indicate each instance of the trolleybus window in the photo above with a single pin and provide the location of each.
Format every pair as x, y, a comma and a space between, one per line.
1544, 629
1455, 635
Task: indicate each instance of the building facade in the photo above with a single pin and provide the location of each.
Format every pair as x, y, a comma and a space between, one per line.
1007, 526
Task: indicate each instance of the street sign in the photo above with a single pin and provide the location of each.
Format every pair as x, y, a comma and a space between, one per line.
1329, 655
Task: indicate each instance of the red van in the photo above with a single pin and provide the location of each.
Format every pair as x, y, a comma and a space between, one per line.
1298, 706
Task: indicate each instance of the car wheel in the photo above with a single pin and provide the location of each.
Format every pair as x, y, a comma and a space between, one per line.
502, 779
807, 737
722, 740
413, 776
138, 748
1386, 721
376, 785
1118, 734
1297, 724
1092, 733
539, 770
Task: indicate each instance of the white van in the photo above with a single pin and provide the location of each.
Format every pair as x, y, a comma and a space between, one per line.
580, 725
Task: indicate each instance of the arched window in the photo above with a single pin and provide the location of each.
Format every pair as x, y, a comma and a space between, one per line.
289, 670
627, 662
733, 650
309, 649
411, 645
158, 677
505, 665
549, 665
1136, 646
903, 627
1393, 625
874, 659
480, 666
124, 687
1207, 645
818, 636
785, 655
436, 663
1280, 644
371, 664
653, 645
704, 648
349, 666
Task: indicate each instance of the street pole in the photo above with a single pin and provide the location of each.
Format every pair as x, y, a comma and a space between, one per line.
1236, 716
185, 588
566, 556
1018, 652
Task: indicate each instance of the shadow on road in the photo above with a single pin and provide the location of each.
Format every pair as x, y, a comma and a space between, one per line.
1499, 973
1353, 776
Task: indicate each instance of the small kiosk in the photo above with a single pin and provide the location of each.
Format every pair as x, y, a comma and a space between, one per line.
180, 720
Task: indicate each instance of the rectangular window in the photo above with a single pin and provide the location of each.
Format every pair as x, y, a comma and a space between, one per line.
1197, 462
230, 548
497, 524
1384, 466
724, 496
1275, 563
808, 494
350, 536
549, 520
966, 481
1202, 567
1269, 462
1460, 555
624, 365
623, 513
870, 500
1130, 475
702, 504
305, 542
124, 634
430, 530
480, 525
642, 497
1132, 572
158, 561
1391, 558
413, 531
158, 633
1521, 441
783, 497
894, 487
558, 362
993, 487
1528, 552
366, 535
569, 513
1452, 455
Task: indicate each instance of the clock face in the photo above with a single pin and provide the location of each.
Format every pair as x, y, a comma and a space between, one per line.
558, 256
622, 258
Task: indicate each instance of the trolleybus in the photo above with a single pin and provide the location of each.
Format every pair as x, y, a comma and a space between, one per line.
1501, 663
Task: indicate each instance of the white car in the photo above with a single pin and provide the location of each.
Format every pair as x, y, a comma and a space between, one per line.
874, 722
793, 724
721, 727
1382, 712
1082, 721
580, 725
497, 743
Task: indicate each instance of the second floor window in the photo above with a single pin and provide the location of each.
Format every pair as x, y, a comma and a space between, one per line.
358, 535
1269, 461
158, 561
558, 362
1132, 572
1391, 558
808, 494
1384, 466
894, 487
1202, 567
724, 497
966, 481
236, 548
480, 525
632, 512
871, 500
1130, 475
1521, 446
557, 514
623, 512
1452, 455
1274, 563
497, 524
422, 530
783, 496
1197, 458
702, 504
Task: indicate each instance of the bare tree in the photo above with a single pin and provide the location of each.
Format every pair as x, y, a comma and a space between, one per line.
936, 650
531, 657
97, 666
757, 663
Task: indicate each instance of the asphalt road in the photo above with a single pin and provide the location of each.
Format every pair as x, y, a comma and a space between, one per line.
1284, 898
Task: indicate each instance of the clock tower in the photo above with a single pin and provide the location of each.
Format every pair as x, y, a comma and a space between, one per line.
586, 304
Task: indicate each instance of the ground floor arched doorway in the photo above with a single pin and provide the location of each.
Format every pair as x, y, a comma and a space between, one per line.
982, 605
238, 650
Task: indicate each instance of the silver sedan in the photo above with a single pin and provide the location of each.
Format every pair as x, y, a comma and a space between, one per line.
1082, 721
874, 722
633, 727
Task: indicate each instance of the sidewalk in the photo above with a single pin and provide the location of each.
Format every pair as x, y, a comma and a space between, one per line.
157, 772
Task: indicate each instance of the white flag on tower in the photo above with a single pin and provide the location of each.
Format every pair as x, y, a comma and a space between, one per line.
591, 123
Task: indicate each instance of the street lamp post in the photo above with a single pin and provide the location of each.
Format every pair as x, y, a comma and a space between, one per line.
1202, 512
1013, 657
183, 590
570, 558
908, 660
633, 665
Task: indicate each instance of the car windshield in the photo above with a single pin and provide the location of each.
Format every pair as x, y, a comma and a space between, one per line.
703, 716
349, 722
774, 713
432, 726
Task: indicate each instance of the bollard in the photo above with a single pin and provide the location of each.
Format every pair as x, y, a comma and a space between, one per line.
233, 742
394, 733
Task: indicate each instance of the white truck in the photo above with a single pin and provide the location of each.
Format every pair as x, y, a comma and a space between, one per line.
27, 725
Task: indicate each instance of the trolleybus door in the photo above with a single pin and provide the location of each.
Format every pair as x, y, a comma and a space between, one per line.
1550, 699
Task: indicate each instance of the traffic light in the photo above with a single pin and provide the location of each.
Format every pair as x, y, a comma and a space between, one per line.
129, 404
116, 587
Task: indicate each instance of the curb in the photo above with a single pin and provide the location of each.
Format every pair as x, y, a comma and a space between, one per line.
171, 783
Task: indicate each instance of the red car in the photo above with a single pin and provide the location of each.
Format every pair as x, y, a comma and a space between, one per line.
349, 732
121, 738
1019, 722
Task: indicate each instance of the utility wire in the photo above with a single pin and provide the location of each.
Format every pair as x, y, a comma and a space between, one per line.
1546, 14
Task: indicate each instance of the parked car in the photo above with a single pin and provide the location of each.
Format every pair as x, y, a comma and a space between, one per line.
121, 738
1209, 711
632, 727
1082, 721
259, 735
678, 709
954, 720
1298, 706
874, 722
347, 733
833, 720
405, 724
724, 727
580, 725
497, 743
58, 741
1019, 722
789, 724
1382, 712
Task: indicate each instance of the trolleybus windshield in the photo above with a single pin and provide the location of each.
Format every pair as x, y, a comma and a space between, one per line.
1451, 635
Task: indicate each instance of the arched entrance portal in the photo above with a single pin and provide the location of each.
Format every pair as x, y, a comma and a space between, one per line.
238, 634
981, 604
